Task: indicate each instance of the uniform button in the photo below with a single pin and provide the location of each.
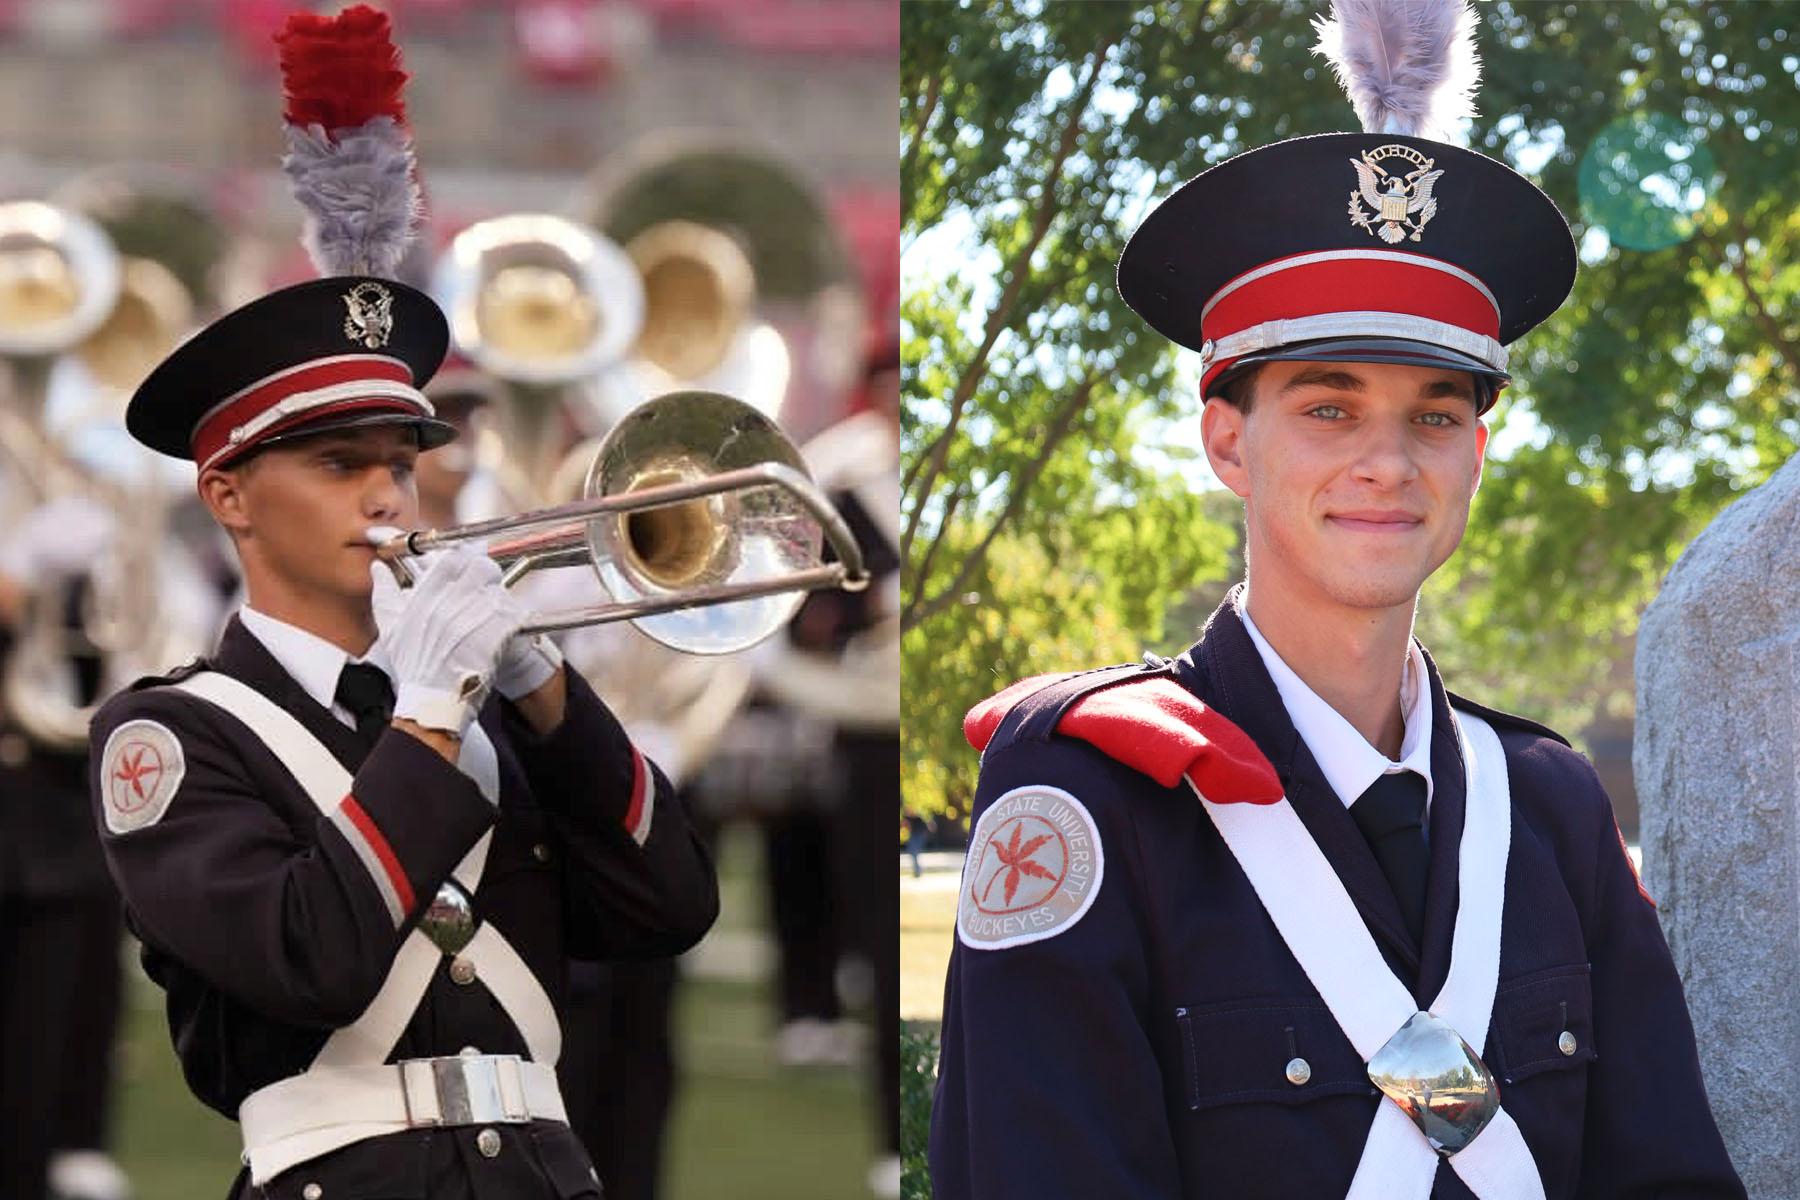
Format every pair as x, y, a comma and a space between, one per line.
462, 971
1298, 1071
488, 1142
311, 1191
541, 852
1566, 1043
470, 1052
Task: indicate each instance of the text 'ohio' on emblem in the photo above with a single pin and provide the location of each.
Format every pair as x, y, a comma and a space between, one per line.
1399, 201
371, 317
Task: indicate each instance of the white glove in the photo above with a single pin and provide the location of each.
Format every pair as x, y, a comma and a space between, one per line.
57, 541
444, 639
527, 662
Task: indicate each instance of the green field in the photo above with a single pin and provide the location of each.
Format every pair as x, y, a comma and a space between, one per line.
743, 1127
927, 929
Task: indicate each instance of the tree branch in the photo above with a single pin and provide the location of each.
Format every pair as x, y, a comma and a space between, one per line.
1771, 328
918, 575
919, 612
1017, 272
928, 109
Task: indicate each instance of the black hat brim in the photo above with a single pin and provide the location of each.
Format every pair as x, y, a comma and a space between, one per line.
432, 432
1399, 351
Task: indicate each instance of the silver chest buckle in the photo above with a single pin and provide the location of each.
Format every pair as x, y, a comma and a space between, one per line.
1438, 1081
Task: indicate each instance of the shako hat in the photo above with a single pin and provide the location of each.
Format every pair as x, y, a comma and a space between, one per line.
1381, 246
354, 348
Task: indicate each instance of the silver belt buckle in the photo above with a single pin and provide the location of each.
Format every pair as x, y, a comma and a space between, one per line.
468, 1090
1438, 1081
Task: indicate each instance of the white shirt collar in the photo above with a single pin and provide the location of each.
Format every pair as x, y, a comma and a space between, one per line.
314, 663
1349, 762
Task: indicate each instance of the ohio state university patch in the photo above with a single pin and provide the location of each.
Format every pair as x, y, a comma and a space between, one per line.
1033, 869
140, 770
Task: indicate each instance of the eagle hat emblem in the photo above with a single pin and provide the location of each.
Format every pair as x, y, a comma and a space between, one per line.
371, 319
1399, 201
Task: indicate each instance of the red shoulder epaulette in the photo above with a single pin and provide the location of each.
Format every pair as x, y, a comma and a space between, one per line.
981, 721
1154, 726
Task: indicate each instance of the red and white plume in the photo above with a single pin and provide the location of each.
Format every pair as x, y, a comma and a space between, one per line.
1408, 66
350, 155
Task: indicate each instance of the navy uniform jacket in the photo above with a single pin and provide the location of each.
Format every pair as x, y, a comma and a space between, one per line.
1141, 1050
267, 931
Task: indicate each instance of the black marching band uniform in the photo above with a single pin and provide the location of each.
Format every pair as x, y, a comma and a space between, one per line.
271, 925
1145, 1049
363, 945
1140, 1002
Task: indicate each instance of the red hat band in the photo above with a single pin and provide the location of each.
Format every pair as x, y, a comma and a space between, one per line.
302, 394
1349, 293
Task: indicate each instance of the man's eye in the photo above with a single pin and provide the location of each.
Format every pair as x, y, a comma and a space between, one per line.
1327, 412
1438, 420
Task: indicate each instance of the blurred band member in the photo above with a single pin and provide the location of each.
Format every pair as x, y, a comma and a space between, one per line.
59, 913
844, 665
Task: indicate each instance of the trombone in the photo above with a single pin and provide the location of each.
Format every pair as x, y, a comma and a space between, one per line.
698, 516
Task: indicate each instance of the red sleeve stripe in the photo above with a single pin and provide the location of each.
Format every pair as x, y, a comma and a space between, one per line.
643, 799
1625, 849
377, 857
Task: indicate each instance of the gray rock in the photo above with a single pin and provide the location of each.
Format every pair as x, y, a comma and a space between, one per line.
1718, 716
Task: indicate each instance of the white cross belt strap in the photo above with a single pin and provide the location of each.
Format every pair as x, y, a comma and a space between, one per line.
351, 1092
1317, 919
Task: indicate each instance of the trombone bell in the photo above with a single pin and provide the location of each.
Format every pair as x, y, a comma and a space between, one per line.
674, 545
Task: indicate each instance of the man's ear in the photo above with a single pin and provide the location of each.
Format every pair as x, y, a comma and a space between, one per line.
222, 491
1481, 441
1222, 433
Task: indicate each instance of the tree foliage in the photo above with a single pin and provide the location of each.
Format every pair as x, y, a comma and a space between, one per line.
1051, 517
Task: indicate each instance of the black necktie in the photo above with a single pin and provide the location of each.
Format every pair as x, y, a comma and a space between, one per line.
368, 696
1391, 815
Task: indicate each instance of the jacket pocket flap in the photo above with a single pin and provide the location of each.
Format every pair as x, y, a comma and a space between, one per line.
1543, 1022
1240, 1053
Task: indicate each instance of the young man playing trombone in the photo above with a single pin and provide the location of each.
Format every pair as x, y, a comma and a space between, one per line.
346, 844
360, 840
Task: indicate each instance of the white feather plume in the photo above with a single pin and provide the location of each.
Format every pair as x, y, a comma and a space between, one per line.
1408, 66
360, 193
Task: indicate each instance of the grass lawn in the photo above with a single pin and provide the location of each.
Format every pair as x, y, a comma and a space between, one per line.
742, 1127
927, 928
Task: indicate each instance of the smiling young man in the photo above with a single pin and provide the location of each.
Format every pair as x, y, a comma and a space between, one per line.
1282, 916
360, 841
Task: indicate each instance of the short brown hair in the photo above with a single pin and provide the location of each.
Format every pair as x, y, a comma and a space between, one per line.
1239, 389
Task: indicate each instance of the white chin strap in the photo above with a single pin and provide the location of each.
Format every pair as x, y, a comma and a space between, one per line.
1317, 919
